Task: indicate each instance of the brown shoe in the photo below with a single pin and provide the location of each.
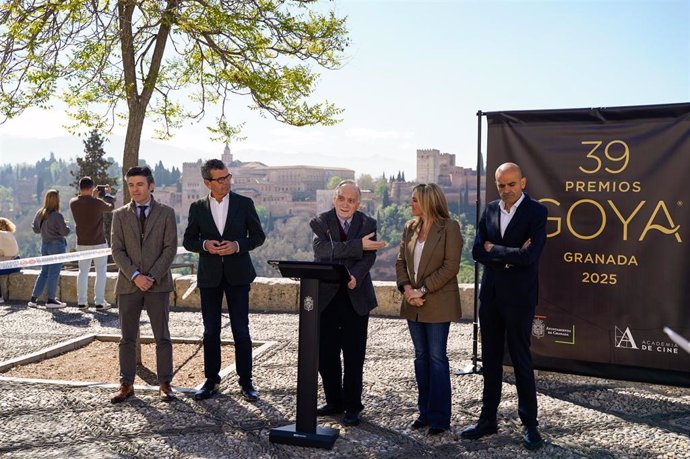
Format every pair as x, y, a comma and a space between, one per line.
124, 392
166, 392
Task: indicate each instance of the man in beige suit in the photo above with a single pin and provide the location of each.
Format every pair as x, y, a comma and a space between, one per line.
144, 244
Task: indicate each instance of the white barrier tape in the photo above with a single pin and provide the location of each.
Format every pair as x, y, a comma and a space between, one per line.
61, 258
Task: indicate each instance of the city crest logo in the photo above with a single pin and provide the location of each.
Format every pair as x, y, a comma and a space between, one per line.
538, 328
308, 303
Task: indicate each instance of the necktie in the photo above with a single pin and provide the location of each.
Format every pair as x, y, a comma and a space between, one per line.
142, 219
346, 226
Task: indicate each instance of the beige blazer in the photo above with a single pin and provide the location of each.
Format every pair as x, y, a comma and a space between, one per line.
438, 270
153, 254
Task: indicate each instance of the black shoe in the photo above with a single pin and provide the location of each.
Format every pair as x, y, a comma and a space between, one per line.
436, 431
207, 390
351, 418
54, 303
479, 430
328, 410
249, 393
82, 306
417, 424
165, 392
532, 439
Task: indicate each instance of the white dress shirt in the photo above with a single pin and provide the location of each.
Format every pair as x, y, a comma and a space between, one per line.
507, 216
219, 210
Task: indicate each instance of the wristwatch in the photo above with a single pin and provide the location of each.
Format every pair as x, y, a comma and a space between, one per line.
424, 290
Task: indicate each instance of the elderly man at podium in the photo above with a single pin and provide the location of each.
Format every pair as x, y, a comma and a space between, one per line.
345, 235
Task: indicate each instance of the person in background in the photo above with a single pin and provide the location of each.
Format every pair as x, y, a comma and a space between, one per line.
345, 235
426, 273
9, 250
50, 224
144, 245
87, 211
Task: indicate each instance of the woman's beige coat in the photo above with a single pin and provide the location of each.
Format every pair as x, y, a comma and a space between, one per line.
438, 270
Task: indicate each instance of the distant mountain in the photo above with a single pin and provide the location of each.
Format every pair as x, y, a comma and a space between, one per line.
20, 149
14, 149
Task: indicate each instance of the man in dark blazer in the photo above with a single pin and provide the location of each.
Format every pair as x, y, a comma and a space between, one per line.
144, 245
345, 235
509, 242
223, 227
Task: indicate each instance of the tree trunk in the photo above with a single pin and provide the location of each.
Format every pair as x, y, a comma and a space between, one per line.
130, 155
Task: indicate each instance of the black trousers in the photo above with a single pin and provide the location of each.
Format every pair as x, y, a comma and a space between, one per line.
342, 330
512, 325
238, 307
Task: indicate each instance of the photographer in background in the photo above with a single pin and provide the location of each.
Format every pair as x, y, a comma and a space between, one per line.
87, 210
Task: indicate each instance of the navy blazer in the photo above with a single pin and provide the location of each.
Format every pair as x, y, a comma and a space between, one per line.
511, 273
329, 248
242, 225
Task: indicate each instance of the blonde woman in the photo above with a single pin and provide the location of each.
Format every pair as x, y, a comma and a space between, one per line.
426, 271
9, 250
50, 224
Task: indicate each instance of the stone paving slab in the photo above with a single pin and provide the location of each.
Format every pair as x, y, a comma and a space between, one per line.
579, 416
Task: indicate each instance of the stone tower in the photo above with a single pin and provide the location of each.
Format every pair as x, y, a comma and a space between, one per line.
428, 165
227, 156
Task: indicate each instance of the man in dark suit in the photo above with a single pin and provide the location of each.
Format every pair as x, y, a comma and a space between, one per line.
345, 235
509, 242
223, 227
144, 245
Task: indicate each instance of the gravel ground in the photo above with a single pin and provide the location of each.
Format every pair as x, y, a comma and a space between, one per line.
579, 416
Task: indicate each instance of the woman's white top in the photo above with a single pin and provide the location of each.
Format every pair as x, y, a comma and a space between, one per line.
419, 247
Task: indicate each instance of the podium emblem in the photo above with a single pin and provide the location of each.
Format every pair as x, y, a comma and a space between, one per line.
308, 303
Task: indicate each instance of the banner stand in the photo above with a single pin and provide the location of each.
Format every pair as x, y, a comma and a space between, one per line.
474, 368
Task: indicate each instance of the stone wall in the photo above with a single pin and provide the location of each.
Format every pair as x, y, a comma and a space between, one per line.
267, 294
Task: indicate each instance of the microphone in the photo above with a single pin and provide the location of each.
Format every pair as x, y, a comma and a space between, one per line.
324, 226
328, 231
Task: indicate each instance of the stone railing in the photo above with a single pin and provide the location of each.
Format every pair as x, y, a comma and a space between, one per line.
267, 294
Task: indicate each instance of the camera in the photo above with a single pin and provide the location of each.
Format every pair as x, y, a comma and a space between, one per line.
101, 190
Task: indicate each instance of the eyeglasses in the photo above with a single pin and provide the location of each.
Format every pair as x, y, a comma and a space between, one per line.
221, 179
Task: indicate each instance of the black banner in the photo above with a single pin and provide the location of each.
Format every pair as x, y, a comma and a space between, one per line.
616, 266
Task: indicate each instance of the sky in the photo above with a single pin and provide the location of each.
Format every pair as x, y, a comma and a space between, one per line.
416, 74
